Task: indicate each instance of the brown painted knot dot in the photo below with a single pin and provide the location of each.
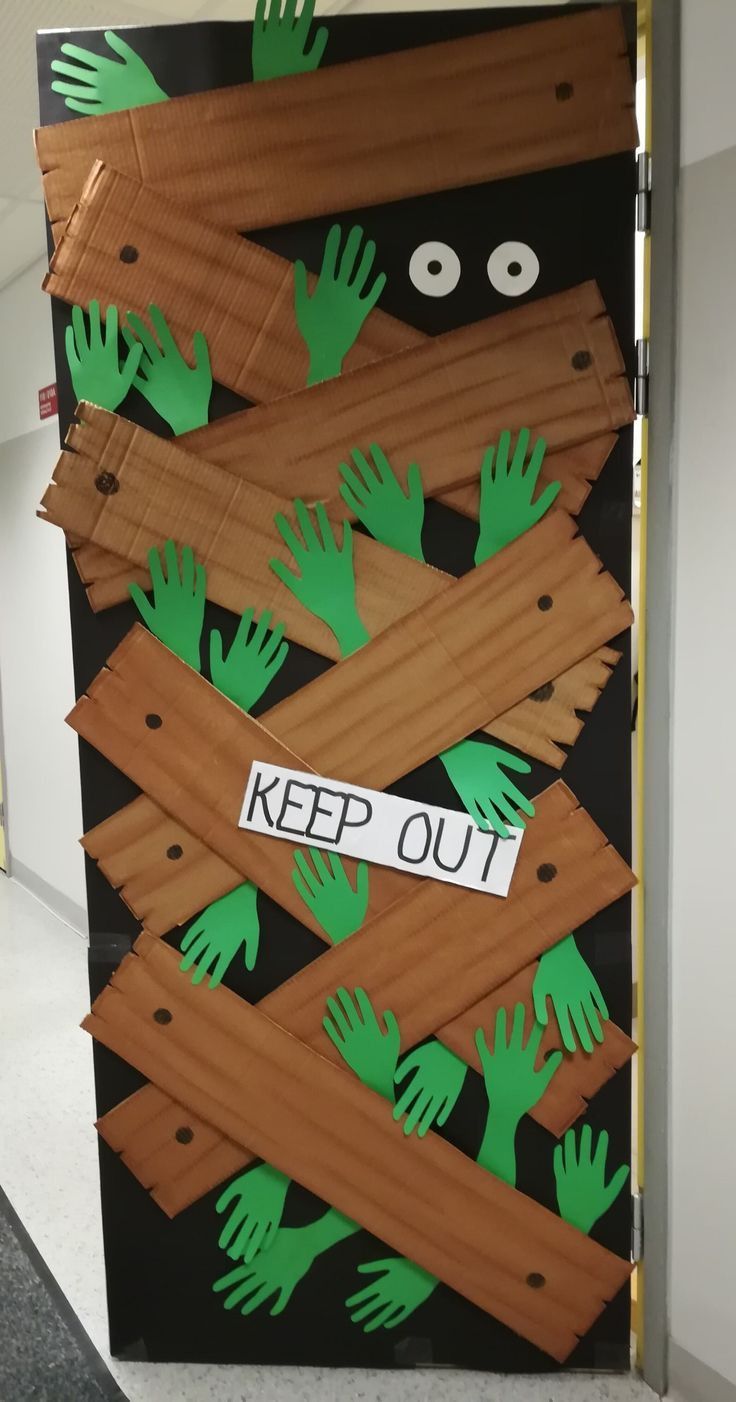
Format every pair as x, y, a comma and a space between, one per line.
153, 721
543, 693
535, 1280
547, 872
581, 360
128, 254
163, 1016
564, 91
544, 603
174, 852
107, 483
184, 1135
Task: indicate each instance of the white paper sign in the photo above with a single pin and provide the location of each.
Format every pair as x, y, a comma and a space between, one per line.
395, 832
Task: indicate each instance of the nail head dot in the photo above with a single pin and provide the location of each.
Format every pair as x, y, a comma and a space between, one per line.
174, 852
581, 360
543, 693
535, 1280
153, 721
128, 254
107, 483
546, 872
184, 1135
564, 91
544, 603
163, 1016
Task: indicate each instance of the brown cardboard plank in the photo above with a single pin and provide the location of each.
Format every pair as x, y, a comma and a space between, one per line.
405, 961
230, 1065
575, 468
549, 717
430, 118
203, 278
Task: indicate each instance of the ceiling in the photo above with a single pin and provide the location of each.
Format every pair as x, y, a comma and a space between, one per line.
22, 236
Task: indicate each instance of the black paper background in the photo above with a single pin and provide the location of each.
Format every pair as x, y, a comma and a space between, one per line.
579, 221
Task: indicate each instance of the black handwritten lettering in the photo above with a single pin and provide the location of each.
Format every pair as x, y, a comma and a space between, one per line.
348, 822
401, 846
463, 854
260, 794
289, 802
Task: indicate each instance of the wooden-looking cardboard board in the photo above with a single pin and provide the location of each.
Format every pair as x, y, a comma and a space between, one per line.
497, 109
230, 1064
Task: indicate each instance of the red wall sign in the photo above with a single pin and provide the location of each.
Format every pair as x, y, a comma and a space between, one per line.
48, 402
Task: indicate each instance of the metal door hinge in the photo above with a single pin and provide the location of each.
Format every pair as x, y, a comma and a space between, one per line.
641, 383
637, 1226
644, 192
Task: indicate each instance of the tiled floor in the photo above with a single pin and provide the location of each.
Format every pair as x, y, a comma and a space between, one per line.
48, 1168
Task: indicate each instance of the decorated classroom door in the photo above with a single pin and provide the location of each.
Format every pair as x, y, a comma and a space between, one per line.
348, 310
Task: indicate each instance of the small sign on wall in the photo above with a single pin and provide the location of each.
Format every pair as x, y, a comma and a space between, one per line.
420, 838
48, 402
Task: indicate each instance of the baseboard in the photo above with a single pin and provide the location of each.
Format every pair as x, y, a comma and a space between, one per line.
67, 910
693, 1381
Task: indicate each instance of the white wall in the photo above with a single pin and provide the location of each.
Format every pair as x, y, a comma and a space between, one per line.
42, 800
703, 1142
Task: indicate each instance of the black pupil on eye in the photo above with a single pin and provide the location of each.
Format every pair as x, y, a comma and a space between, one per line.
434, 266
514, 269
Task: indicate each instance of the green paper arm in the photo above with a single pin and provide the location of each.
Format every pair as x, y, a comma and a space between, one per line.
330, 318
583, 1195
325, 585
176, 614
431, 1095
215, 937
369, 1050
257, 1200
476, 771
252, 662
373, 493
564, 977
280, 41
513, 1087
102, 84
328, 894
506, 491
94, 360
178, 392
278, 1271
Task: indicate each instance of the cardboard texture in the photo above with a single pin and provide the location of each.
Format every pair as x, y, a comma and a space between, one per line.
229, 1064
549, 717
505, 103
404, 961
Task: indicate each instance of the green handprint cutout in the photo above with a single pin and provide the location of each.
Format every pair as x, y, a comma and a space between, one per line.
582, 1193
329, 895
176, 616
564, 976
258, 1197
280, 40
375, 496
513, 1087
279, 1270
364, 1046
178, 392
476, 772
432, 1094
94, 360
506, 507
390, 1300
251, 663
215, 937
326, 585
331, 316
105, 84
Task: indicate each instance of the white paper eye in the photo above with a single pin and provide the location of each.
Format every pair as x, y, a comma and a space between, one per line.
434, 268
513, 268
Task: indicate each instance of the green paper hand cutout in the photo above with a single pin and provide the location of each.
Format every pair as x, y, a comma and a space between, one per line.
251, 663
331, 316
339, 909
506, 507
280, 41
476, 772
564, 977
94, 360
178, 392
279, 1270
513, 1087
215, 937
326, 584
176, 616
375, 496
105, 84
258, 1197
582, 1193
355, 1030
433, 1091
390, 1300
